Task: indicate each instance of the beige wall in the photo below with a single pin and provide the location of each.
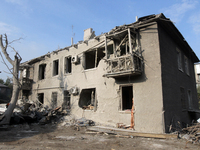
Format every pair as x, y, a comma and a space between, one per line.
147, 88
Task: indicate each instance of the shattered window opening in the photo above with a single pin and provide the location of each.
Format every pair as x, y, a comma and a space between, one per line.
88, 99
92, 58
54, 99
41, 74
66, 102
55, 67
127, 95
68, 64
41, 98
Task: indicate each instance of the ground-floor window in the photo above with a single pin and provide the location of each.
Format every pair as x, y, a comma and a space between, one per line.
54, 99
66, 101
126, 97
88, 99
40, 98
183, 100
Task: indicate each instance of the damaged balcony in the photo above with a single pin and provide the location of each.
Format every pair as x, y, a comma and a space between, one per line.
127, 55
26, 83
128, 65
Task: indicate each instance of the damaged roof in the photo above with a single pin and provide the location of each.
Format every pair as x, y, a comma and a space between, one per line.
142, 22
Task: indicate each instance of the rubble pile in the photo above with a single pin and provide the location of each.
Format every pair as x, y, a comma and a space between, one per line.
192, 133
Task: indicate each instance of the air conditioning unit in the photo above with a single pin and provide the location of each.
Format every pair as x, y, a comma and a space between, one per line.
74, 90
74, 59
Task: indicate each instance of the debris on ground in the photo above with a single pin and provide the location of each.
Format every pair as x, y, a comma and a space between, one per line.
191, 134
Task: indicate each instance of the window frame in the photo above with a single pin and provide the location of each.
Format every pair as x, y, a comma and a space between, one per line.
179, 60
67, 69
55, 70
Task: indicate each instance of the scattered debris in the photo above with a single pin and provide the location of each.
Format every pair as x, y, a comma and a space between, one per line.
191, 134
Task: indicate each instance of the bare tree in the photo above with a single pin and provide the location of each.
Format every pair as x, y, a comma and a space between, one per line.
5, 118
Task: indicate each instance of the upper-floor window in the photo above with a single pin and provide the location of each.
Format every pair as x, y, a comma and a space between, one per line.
198, 78
92, 58
55, 67
186, 65
41, 74
68, 64
179, 60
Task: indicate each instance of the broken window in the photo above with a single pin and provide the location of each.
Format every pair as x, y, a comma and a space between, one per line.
127, 96
54, 99
88, 99
55, 67
110, 50
41, 98
186, 65
179, 60
68, 64
92, 58
41, 74
66, 102
183, 100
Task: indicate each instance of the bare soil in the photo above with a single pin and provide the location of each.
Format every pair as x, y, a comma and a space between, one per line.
51, 136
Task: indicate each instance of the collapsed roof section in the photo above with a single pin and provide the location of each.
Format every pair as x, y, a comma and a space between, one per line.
121, 31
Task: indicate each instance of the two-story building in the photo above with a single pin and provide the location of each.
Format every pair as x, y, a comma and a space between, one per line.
98, 78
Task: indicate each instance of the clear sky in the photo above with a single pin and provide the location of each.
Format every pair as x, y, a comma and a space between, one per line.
46, 25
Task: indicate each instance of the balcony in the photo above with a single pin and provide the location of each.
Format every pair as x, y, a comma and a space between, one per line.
128, 65
26, 83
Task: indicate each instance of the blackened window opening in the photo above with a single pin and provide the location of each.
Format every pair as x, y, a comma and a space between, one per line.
41, 98
54, 100
66, 102
127, 95
68, 64
87, 98
42, 68
92, 58
55, 67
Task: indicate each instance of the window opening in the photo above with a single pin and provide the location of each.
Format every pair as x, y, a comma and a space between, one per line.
186, 65
88, 99
190, 99
54, 100
92, 58
55, 67
68, 64
110, 50
183, 100
127, 95
179, 60
42, 68
41, 98
66, 102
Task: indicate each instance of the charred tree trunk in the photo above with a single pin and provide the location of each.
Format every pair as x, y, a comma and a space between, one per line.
5, 119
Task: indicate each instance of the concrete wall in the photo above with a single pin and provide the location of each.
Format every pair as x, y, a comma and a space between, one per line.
147, 88
172, 80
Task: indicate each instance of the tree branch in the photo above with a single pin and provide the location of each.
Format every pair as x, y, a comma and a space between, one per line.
3, 48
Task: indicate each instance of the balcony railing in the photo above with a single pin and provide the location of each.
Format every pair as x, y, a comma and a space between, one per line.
26, 83
123, 66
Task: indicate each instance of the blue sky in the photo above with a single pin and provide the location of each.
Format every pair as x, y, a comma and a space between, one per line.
46, 25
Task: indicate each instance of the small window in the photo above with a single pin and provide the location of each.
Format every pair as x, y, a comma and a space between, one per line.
88, 99
54, 100
42, 68
198, 77
183, 100
68, 64
186, 65
179, 60
190, 99
41, 98
66, 102
127, 96
55, 67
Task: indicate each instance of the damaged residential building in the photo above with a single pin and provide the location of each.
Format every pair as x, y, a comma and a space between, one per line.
147, 63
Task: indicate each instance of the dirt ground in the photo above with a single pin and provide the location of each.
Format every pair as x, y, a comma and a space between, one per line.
51, 136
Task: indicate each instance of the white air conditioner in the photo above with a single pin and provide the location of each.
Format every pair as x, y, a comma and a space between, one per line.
74, 59
74, 90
